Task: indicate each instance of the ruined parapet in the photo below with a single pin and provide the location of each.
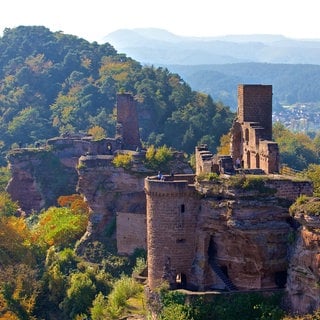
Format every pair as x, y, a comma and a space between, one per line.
127, 122
204, 159
172, 212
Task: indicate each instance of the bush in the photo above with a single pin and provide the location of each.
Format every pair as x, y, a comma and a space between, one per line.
158, 158
60, 227
122, 160
7, 206
123, 289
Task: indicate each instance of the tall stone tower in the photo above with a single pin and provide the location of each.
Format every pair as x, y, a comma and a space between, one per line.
255, 106
127, 122
172, 212
251, 140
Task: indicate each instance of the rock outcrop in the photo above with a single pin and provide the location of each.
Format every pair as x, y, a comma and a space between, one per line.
39, 177
303, 287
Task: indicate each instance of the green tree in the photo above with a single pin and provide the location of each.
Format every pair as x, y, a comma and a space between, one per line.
80, 294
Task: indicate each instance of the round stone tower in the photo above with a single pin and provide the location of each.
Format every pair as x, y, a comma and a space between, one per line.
172, 212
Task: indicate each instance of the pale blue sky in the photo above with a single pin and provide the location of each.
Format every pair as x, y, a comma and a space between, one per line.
94, 19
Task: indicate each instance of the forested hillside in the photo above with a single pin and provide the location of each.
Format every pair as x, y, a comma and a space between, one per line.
52, 83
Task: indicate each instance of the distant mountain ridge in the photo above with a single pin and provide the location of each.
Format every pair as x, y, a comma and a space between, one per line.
157, 46
217, 65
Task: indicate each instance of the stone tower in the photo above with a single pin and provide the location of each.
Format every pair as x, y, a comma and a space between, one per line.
252, 129
172, 211
255, 106
127, 122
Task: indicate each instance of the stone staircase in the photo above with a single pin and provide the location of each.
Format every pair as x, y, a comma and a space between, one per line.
228, 283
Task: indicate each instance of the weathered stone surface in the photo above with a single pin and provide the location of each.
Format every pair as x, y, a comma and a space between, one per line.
303, 287
39, 178
108, 190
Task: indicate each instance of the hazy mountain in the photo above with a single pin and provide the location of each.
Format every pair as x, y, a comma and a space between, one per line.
157, 46
217, 65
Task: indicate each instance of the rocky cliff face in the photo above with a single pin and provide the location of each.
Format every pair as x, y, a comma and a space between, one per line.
303, 285
108, 190
39, 177
247, 239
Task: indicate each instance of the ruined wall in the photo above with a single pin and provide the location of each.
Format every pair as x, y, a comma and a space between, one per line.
127, 120
204, 159
290, 189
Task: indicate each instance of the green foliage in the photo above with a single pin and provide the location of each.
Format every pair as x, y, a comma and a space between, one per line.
297, 150
158, 159
80, 295
140, 265
7, 206
97, 132
123, 289
122, 160
250, 183
306, 205
66, 84
60, 227
99, 306
313, 173
19, 288
4, 178
211, 176
15, 242
244, 306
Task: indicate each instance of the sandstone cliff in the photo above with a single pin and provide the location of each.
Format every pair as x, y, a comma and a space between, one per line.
303, 285
39, 177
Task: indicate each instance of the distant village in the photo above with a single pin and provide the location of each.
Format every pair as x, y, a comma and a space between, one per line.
300, 117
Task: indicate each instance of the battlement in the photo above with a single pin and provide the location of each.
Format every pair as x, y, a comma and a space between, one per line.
170, 185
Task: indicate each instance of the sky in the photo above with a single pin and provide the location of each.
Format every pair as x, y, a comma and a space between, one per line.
94, 19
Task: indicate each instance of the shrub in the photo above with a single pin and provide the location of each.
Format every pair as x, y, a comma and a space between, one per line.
158, 158
307, 205
122, 160
80, 295
97, 132
7, 206
60, 227
123, 289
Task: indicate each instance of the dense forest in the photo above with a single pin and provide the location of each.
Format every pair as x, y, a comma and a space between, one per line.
52, 83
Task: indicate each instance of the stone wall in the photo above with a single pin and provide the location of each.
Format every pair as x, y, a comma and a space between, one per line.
290, 189
131, 232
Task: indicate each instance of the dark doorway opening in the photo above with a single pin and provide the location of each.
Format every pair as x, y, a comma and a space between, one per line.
281, 279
